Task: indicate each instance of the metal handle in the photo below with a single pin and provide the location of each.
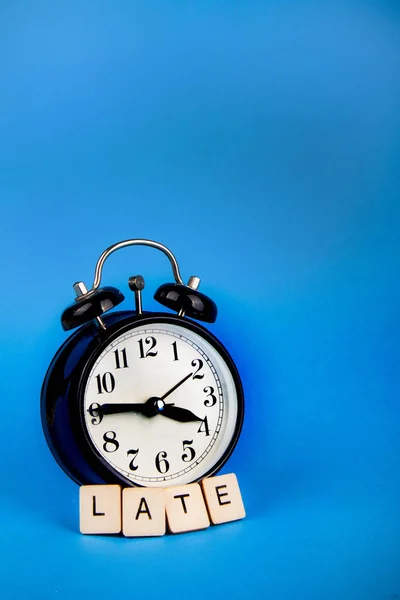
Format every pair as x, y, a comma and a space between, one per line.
136, 242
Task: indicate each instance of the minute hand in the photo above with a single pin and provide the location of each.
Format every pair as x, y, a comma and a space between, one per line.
112, 409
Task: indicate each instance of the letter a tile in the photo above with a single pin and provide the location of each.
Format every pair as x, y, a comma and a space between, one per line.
143, 512
186, 510
223, 498
100, 508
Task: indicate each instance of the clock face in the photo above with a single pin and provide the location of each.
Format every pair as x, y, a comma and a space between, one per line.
161, 406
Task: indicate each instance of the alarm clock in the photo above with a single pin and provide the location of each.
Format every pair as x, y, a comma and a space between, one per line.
141, 398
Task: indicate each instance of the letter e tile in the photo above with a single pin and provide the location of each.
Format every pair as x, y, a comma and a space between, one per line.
223, 498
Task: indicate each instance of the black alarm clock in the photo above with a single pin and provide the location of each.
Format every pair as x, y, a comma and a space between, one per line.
141, 398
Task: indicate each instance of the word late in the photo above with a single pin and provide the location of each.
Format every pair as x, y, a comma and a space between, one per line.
139, 512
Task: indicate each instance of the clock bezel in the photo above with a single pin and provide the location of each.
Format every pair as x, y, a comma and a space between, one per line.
78, 386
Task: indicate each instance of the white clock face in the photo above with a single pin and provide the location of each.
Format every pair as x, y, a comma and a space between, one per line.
160, 405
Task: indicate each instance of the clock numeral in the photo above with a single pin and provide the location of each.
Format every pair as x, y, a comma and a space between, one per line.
105, 382
149, 341
189, 453
123, 361
162, 464
204, 428
94, 412
197, 362
210, 398
110, 442
134, 453
175, 347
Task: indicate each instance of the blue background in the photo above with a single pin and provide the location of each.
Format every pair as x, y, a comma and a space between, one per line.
260, 142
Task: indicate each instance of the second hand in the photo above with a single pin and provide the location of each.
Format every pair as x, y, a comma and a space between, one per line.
176, 386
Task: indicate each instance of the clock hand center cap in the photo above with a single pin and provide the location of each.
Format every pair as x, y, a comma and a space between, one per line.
153, 406
159, 404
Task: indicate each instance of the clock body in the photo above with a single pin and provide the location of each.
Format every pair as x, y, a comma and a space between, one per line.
152, 400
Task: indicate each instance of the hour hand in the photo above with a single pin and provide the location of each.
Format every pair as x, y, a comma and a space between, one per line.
178, 414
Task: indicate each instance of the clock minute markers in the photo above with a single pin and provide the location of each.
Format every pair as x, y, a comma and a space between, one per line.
158, 440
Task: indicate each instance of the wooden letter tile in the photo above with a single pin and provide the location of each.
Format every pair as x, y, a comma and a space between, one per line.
143, 512
223, 498
100, 508
185, 507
